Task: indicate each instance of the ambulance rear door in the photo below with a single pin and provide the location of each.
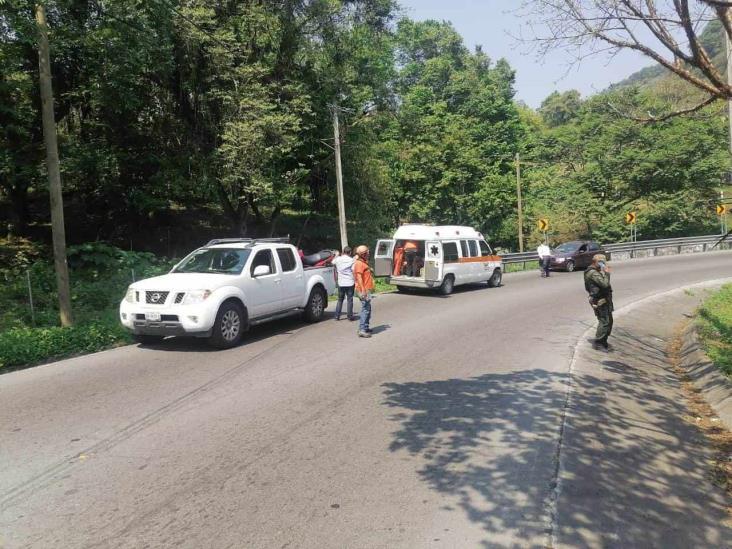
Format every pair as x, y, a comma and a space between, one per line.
433, 261
383, 258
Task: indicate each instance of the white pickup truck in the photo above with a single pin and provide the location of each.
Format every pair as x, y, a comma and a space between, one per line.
220, 290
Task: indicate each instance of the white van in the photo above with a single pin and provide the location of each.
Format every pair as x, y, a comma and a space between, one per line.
439, 257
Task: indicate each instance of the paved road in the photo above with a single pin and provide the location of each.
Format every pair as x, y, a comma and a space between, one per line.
441, 431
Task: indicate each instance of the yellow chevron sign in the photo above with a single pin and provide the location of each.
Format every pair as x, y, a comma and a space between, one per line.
721, 209
543, 225
630, 218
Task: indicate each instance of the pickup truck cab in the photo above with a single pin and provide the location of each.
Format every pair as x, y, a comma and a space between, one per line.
220, 290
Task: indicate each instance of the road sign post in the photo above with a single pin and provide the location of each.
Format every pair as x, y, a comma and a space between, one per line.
543, 225
630, 219
722, 213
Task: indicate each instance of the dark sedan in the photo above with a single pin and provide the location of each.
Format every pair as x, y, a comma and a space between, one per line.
574, 255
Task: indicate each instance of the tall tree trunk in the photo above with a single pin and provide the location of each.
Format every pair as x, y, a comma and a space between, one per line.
54, 172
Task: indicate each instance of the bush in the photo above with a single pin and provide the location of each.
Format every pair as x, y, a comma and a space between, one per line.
27, 346
99, 276
715, 328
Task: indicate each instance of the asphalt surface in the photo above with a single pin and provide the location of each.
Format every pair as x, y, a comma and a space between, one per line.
442, 430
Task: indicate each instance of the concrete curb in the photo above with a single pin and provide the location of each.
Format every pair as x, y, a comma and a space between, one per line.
582, 353
714, 386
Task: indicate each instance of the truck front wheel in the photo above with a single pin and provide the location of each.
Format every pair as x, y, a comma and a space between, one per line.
228, 327
315, 307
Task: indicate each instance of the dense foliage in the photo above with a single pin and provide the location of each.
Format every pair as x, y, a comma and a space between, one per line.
715, 328
183, 119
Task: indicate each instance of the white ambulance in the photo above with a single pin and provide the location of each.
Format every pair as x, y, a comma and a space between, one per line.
437, 257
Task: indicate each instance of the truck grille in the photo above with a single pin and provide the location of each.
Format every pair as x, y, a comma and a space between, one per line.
155, 297
179, 297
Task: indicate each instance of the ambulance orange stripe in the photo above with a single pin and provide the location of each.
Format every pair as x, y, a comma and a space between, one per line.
482, 259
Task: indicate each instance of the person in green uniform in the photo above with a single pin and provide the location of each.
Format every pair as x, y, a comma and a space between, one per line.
597, 284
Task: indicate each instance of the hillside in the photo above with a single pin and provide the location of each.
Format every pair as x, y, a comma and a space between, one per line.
712, 38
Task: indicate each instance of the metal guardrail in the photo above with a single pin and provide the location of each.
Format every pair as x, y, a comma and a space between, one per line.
632, 248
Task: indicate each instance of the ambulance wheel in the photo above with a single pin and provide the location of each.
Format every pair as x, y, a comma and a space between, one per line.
495, 280
403, 289
448, 285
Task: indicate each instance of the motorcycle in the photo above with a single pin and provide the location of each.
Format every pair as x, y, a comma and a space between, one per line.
318, 259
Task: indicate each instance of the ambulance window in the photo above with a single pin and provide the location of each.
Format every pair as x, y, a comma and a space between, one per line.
464, 247
473, 248
484, 248
383, 248
450, 251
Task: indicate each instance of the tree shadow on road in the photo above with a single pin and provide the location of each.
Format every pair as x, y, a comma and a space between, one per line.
630, 477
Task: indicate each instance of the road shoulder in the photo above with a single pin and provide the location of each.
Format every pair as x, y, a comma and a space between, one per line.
634, 469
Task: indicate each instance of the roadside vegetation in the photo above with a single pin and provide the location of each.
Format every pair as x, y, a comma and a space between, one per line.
715, 328
100, 275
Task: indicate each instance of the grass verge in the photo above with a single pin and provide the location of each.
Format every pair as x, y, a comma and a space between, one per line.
714, 323
23, 347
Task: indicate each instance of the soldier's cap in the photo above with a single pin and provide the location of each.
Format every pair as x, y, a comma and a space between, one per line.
598, 257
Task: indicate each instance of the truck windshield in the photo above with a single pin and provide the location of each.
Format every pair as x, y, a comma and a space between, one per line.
214, 260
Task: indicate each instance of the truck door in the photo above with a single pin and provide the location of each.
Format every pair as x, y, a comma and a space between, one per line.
383, 258
264, 292
293, 281
433, 261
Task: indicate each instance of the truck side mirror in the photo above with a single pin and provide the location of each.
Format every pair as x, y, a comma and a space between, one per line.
261, 270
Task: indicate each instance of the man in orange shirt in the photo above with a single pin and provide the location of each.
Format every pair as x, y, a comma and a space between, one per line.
364, 288
410, 254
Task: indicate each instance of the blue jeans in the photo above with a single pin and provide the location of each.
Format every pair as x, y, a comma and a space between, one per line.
343, 293
365, 316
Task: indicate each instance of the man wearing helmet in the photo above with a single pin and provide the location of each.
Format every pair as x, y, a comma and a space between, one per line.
597, 284
364, 288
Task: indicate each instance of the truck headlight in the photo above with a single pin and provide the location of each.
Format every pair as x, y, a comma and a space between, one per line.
196, 296
130, 296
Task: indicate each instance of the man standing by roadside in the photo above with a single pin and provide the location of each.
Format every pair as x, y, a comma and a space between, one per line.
597, 284
364, 288
344, 269
545, 259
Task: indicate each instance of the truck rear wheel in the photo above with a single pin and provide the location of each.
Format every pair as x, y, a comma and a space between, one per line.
228, 327
315, 308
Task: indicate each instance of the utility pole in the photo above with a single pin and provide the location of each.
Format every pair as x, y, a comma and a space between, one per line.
54, 173
339, 178
520, 207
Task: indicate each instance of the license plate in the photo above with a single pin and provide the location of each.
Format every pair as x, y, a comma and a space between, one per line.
152, 317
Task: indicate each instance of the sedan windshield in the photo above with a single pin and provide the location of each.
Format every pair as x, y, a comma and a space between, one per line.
567, 247
214, 260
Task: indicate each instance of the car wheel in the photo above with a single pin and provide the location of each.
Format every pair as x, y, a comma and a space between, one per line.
570, 266
228, 327
448, 285
495, 280
147, 339
315, 308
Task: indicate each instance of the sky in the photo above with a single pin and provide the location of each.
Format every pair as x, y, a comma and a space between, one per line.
493, 23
